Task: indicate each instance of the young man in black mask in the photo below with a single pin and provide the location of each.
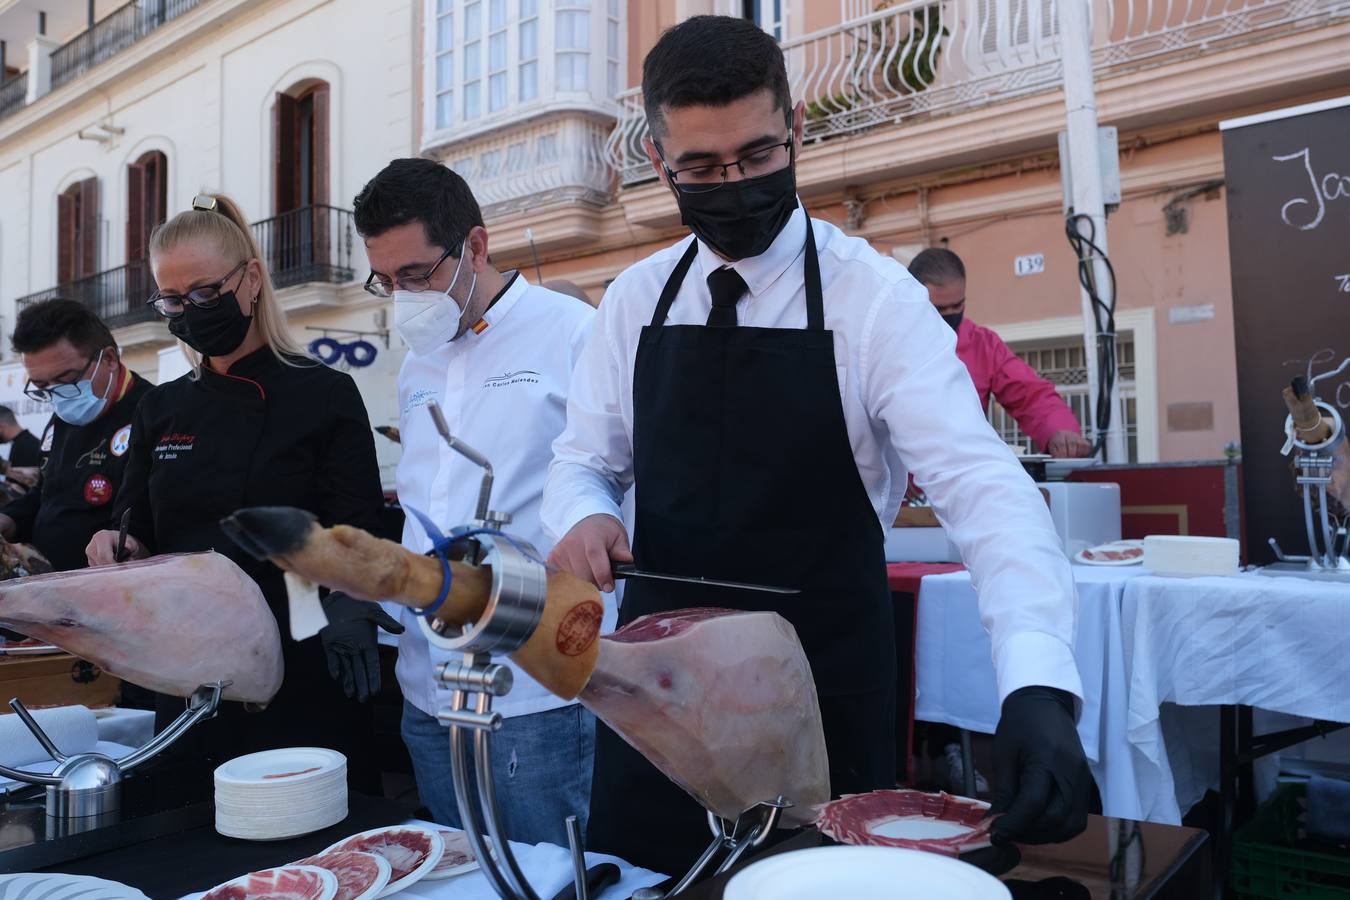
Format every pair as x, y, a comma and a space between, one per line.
766, 384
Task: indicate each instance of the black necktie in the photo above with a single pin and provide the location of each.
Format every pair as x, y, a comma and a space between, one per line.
727, 286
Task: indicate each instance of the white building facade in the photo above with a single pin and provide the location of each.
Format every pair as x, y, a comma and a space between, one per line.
114, 114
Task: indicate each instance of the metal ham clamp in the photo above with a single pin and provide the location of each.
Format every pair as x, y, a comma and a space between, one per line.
1322, 470
750, 749
85, 790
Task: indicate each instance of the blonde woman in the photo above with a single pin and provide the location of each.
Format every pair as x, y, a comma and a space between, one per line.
256, 423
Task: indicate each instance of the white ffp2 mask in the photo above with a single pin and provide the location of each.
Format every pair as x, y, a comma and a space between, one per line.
427, 319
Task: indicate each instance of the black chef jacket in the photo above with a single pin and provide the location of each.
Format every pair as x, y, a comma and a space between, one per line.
25, 450
82, 469
264, 434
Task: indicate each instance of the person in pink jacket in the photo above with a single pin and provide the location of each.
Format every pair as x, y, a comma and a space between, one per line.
1030, 399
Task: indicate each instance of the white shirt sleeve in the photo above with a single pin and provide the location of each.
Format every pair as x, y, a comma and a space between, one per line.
593, 457
988, 505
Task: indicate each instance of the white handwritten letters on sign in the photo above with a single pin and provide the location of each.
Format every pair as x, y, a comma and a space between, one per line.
1344, 282
1306, 212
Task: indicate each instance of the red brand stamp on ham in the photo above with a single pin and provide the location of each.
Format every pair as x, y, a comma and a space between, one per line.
579, 628
935, 823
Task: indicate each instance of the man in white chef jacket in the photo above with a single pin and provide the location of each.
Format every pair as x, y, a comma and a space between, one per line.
496, 353
765, 385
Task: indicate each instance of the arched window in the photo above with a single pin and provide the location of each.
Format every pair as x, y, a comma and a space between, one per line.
77, 231
297, 239
147, 185
300, 147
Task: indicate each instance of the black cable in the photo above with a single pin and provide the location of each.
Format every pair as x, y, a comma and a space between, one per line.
1083, 242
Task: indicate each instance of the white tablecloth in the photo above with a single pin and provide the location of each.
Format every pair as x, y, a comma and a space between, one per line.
1279, 644
956, 683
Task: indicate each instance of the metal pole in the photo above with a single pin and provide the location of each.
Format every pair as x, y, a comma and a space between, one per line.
1075, 33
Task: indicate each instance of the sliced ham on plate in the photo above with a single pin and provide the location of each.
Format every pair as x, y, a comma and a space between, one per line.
913, 820
360, 876
412, 852
458, 857
1116, 553
282, 883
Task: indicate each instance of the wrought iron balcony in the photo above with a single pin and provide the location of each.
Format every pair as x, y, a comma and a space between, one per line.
117, 296
13, 95
113, 34
920, 58
312, 244
307, 245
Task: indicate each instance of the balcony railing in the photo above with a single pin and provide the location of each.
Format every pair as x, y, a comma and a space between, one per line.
307, 245
13, 95
310, 244
561, 158
116, 296
920, 58
113, 34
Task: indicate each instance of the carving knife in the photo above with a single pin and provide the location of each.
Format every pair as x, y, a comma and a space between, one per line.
630, 571
121, 555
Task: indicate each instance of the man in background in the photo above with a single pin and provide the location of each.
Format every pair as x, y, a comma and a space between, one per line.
1031, 400
72, 362
23, 446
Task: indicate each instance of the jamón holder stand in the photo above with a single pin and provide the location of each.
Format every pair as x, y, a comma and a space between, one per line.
515, 604
85, 789
1314, 463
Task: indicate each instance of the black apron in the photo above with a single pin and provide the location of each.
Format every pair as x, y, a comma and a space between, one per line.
744, 471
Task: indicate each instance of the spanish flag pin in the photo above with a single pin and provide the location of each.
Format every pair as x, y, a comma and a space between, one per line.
480, 326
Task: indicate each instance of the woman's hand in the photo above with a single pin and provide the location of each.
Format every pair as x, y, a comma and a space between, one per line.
102, 549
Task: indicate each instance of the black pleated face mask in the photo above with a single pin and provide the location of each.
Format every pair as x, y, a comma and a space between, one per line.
217, 331
741, 218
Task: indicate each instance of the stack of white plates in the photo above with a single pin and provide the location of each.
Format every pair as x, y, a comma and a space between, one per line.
281, 793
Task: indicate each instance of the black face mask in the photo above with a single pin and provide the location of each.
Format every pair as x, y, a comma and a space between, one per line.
741, 218
213, 332
954, 320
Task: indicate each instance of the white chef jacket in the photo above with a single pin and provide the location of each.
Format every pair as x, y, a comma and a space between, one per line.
909, 405
503, 390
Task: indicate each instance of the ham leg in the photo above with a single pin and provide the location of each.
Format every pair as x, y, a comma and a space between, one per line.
168, 623
722, 702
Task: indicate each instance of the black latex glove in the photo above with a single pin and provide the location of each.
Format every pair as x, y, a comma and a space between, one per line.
350, 645
1042, 778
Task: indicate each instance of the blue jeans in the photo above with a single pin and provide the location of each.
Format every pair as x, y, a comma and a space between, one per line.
541, 767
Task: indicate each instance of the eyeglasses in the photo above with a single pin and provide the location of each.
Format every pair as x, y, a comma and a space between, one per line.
711, 176
66, 389
382, 286
171, 306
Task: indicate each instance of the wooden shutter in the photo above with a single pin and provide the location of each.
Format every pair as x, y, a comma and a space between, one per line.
319, 145
136, 205
88, 228
285, 124
65, 237
156, 193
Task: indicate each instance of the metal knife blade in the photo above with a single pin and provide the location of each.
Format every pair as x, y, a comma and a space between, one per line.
629, 571
122, 536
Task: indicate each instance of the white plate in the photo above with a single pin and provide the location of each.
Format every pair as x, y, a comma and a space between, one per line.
330, 884
1131, 543
287, 767
277, 828
862, 873
454, 841
416, 875
61, 887
379, 884
1061, 467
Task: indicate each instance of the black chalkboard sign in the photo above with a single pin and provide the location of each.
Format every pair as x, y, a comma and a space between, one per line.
1288, 180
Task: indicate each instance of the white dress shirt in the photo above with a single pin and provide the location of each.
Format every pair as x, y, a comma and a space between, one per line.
909, 406
503, 390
